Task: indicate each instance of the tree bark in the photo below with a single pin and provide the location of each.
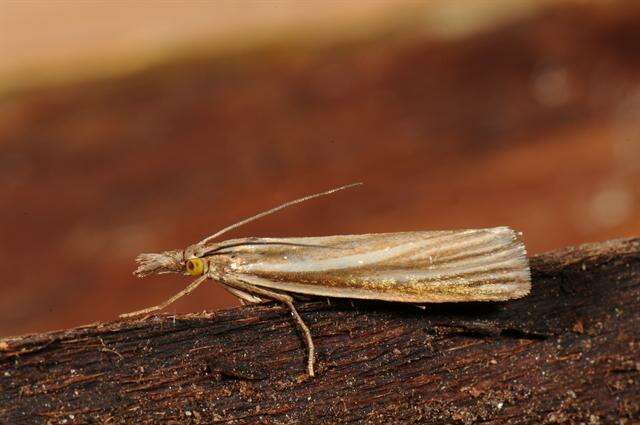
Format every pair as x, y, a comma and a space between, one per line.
569, 352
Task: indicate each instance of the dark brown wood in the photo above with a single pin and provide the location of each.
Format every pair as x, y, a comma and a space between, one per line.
569, 352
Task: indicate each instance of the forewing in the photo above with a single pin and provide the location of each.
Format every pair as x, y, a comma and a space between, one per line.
440, 266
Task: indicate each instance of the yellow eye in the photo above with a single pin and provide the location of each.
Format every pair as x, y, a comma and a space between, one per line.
195, 266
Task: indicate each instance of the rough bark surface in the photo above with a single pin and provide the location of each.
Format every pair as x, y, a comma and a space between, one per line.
570, 352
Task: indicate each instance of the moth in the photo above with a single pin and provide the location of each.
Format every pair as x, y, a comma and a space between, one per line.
408, 267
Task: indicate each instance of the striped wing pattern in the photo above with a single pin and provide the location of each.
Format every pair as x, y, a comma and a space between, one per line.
419, 267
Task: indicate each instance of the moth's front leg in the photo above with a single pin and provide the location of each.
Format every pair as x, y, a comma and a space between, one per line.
244, 287
192, 287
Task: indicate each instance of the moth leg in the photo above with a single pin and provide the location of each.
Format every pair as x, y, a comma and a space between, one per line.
192, 286
244, 297
288, 300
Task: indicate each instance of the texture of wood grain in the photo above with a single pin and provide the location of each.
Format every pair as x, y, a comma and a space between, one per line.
570, 352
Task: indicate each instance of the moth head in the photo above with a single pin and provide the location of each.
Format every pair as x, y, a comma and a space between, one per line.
195, 266
164, 262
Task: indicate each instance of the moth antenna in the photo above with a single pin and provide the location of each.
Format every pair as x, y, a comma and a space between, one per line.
272, 210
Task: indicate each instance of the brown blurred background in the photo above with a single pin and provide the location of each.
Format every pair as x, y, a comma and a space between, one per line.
140, 128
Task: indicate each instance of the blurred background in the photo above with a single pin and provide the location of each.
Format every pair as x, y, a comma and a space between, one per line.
130, 127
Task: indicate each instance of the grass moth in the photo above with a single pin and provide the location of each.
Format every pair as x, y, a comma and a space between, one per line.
410, 267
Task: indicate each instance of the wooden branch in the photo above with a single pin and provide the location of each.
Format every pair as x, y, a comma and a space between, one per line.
569, 352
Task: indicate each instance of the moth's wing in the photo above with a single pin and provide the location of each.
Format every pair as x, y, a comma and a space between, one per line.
440, 266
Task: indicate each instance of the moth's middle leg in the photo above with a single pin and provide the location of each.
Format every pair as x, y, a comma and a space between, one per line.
244, 297
286, 299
